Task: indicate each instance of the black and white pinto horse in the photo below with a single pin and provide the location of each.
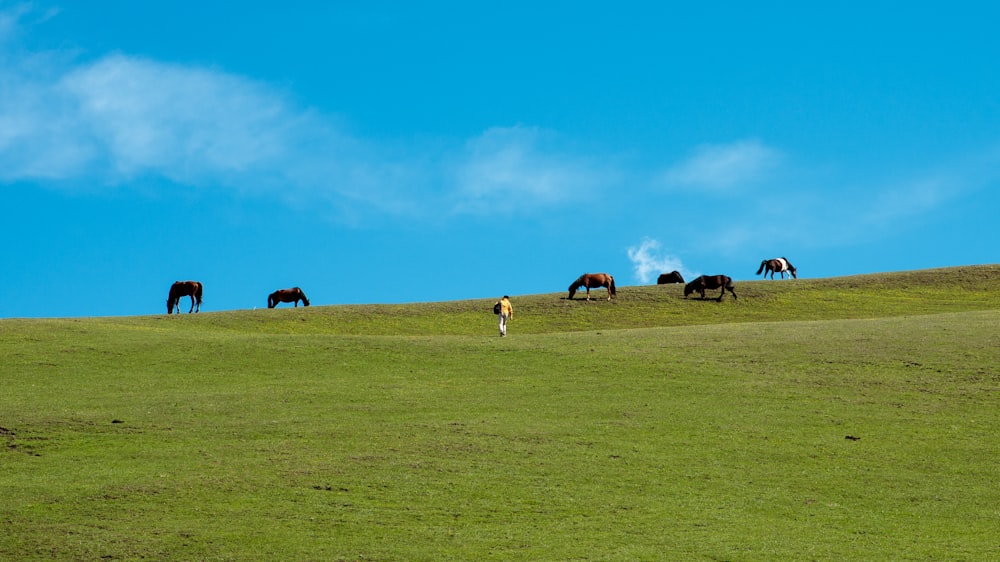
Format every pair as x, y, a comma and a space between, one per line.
709, 282
777, 265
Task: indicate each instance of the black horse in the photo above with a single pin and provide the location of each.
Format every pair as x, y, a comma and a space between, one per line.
709, 282
184, 289
777, 265
294, 294
672, 277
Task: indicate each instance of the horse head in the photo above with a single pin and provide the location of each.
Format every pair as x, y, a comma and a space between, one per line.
790, 267
576, 284
691, 287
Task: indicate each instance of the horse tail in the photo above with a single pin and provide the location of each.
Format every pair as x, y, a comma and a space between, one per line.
762, 264
612, 287
197, 291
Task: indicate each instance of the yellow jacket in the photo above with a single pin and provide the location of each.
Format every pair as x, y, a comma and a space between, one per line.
506, 308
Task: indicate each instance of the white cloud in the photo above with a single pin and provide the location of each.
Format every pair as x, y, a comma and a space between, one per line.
122, 117
118, 118
720, 167
519, 168
183, 123
648, 263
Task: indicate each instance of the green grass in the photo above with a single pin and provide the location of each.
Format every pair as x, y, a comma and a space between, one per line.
648, 427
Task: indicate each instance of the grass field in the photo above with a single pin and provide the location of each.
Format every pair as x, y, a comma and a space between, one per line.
827, 419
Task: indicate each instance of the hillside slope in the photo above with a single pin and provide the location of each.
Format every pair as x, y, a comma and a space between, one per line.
829, 419
931, 291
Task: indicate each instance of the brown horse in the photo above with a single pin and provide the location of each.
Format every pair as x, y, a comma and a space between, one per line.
184, 289
672, 277
710, 282
777, 265
593, 281
294, 294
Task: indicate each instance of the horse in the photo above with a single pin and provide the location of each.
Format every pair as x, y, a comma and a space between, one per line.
672, 277
593, 281
711, 282
294, 294
184, 289
777, 265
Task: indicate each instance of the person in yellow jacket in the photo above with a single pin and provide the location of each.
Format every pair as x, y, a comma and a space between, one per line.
505, 314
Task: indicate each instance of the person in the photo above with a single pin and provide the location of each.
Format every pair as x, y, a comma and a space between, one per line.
505, 314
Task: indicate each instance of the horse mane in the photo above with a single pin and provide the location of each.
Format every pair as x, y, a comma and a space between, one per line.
580, 281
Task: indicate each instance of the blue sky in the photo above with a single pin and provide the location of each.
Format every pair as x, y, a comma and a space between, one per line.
383, 152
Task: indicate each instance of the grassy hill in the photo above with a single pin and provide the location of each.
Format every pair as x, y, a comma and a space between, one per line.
842, 418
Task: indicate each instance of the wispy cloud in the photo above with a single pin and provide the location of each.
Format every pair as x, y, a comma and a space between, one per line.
648, 262
119, 117
514, 168
183, 123
721, 167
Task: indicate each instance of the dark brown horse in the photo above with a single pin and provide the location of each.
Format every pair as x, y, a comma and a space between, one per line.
593, 281
672, 277
709, 282
294, 294
184, 289
777, 265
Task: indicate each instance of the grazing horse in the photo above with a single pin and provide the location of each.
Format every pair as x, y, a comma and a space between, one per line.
184, 289
294, 294
593, 281
672, 277
710, 282
777, 265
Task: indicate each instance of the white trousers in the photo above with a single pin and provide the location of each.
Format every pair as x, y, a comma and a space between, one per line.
503, 324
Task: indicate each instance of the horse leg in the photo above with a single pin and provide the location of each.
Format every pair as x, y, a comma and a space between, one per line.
588, 292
